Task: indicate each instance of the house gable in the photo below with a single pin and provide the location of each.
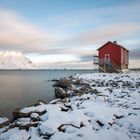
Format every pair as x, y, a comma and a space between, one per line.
115, 44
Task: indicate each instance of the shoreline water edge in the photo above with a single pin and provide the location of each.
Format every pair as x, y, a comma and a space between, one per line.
96, 106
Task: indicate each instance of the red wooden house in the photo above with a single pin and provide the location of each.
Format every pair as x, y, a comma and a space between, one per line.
112, 57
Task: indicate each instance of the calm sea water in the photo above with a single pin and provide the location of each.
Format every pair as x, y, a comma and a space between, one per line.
26, 87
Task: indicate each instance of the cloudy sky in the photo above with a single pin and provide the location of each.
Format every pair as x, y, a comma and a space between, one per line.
66, 33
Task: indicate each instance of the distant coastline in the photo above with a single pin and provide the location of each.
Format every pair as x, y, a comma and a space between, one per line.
43, 69
40, 69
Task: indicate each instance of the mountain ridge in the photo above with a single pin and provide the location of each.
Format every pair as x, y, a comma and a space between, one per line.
15, 60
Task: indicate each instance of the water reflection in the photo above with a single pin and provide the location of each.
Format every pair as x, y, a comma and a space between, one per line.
21, 88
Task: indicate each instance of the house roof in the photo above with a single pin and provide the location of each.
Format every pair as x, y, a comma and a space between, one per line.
114, 44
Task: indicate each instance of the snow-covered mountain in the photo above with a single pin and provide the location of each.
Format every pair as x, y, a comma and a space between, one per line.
14, 60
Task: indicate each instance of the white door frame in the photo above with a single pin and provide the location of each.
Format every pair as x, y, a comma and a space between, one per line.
107, 57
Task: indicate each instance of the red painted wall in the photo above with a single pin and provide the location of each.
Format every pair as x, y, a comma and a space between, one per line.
113, 50
125, 56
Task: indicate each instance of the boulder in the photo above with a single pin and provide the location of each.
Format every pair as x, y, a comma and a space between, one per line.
54, 80
45, 131
78, 92
4, 122
137, 84
59, 92
78, 82
95, 91
86, 88
18, 114
27, 111
27, 126
40, 102
64, 83
34, 117
41, 112
25, 123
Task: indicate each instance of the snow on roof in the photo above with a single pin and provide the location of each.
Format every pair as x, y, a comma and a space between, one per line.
115, 43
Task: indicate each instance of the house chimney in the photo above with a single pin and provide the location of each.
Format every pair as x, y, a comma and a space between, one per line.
115, 42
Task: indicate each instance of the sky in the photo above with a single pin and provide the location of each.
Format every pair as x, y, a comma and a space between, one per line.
67, 33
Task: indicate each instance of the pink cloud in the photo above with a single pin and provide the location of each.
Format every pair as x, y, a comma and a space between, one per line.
17, 33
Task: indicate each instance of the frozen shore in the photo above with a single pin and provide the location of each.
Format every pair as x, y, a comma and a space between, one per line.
95, 106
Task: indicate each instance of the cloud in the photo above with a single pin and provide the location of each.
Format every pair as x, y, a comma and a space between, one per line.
86, 58
68, 33
16, 33
76, 64
103, 34
96, 16
78, 33
134, 63
135, 53
54, 58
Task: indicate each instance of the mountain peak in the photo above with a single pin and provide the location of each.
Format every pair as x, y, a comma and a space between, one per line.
14, 60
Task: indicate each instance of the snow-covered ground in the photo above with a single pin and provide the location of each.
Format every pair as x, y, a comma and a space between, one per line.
110, 110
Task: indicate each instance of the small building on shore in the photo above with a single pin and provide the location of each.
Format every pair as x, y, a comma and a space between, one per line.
112, 57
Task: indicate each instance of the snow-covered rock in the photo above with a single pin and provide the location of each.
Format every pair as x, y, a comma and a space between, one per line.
59, 92
14, 60
4, 122
112, 113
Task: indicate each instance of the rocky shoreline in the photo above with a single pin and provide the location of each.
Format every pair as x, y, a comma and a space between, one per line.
98, 105
68, 87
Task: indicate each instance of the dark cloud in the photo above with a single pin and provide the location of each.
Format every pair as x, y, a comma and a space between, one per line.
135, 53
86, 58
